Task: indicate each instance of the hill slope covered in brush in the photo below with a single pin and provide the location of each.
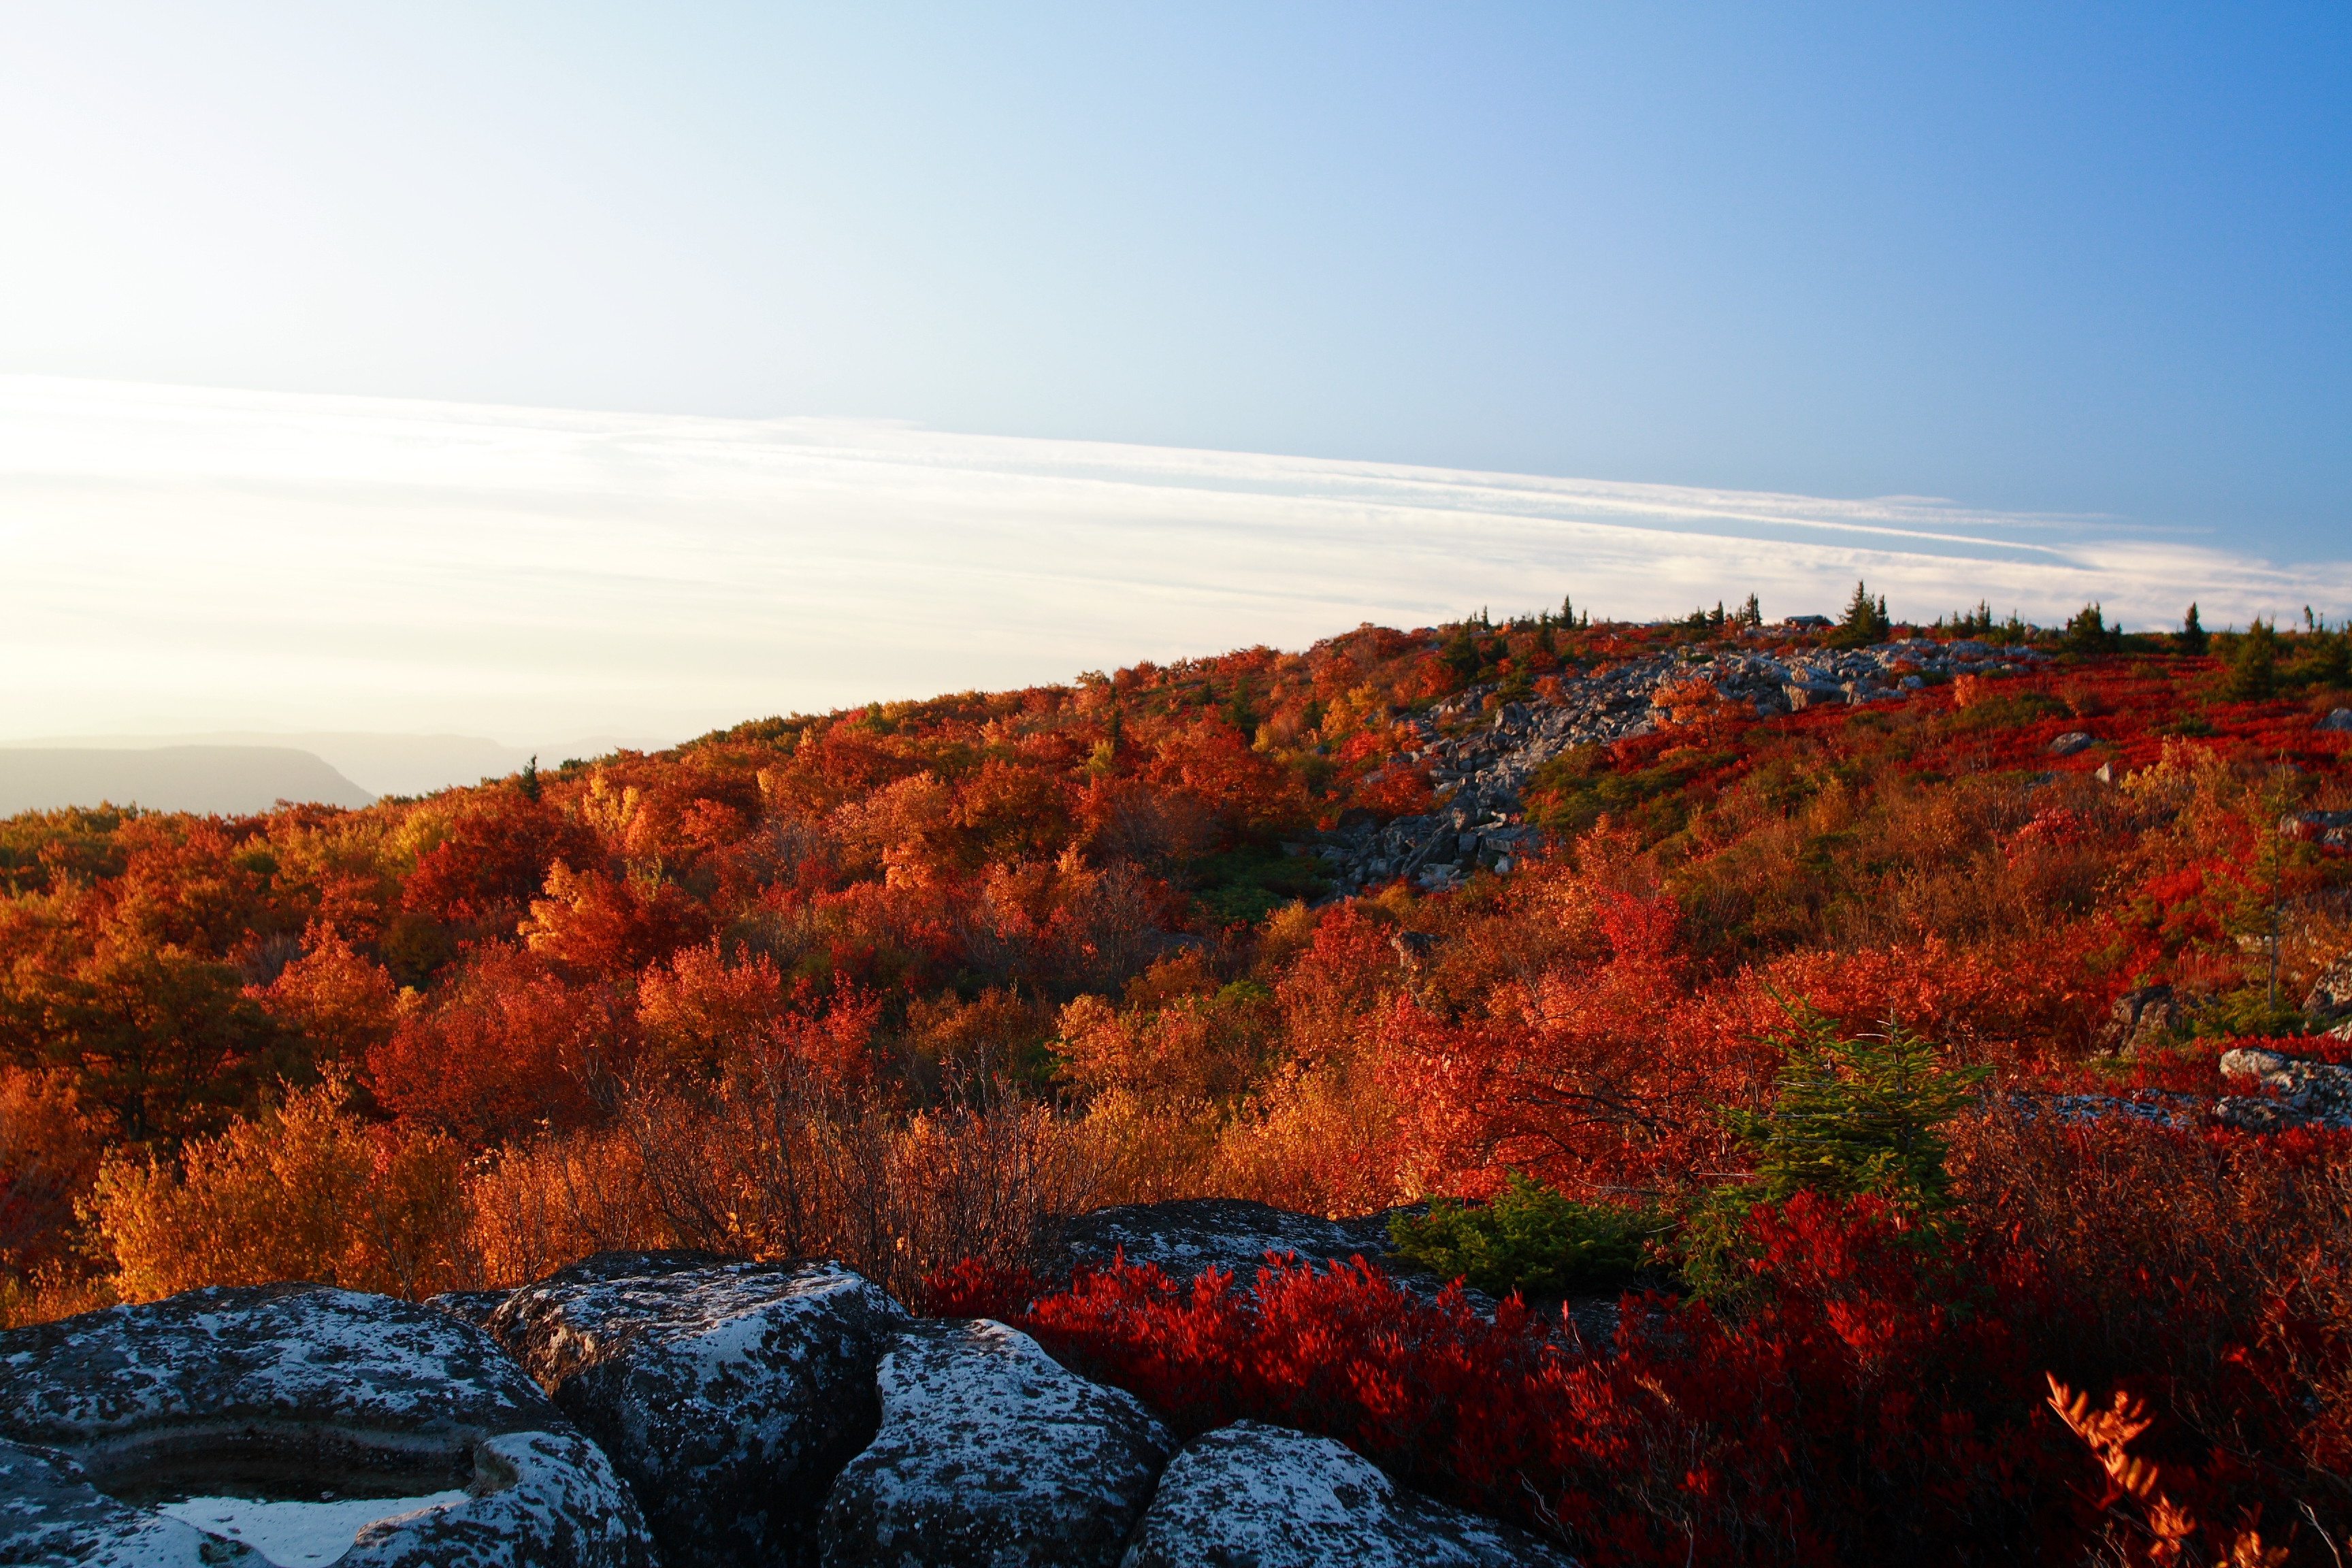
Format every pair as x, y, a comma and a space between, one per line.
1551, 908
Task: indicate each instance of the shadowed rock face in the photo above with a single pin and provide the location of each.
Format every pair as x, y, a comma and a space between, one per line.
50, 1513
991, 1456
1254, 1495
291, 1391
729, 1393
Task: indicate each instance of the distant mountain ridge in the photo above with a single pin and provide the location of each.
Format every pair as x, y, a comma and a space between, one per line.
375, 761
225, 780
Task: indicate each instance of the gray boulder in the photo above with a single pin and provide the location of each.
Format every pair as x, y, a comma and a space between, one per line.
2330, 996
2140, 1018
2072, 742
50, 1513
729, 1393
284, 1398
1185, 1236
2338, 719
991, 1455
1254, 1495
475, 1307
2305, 1092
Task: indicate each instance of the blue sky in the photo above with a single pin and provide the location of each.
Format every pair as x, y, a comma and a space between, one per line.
2081, 258
540, 371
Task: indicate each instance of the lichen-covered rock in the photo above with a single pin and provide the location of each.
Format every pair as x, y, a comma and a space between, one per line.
2309, 1092
728, 1394
292, 1390
1253, 1495
1185, 1236
475, 1307
993, 1455
49, 1513
2330, 996
547, 1497
2140, 1019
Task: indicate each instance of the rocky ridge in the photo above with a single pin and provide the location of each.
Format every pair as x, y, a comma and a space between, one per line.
675, 1408
1480, 767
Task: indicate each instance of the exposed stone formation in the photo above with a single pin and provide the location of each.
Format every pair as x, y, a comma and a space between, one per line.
2305, 1092
1480, 765
758, 1413
317, 1397
990, 1454
729, 1393
2329, 1002
2141, 1018
1272, 1498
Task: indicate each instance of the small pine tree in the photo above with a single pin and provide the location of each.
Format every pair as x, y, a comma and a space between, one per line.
2253, 669
2331, 660
1865, 621
2192, 638
1857, 1116
2087, 632
1751, 614
1849, 1117
531, 778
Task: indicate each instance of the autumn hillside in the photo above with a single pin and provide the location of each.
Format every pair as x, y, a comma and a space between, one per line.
901, 984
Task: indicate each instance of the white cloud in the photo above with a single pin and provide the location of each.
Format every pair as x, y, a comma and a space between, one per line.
182, 560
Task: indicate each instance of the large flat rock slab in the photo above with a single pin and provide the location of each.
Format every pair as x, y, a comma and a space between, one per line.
49, 1513
1254, 1495
279, 1397
991, 1455
727, 1394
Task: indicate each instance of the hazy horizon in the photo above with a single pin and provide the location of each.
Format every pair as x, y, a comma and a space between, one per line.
194, 561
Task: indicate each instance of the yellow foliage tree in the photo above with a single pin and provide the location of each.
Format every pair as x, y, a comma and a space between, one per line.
306, 1190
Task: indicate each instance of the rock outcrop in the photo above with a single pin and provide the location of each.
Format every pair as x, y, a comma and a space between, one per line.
1185, 1236
50, 1513
2329, 1000
2305, 1092
1254, 1495
990, 1454
1479, 771
286, 1392
2330, 830
729, 1393
2140, 1019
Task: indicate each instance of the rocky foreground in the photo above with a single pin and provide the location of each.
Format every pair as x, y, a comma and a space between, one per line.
671, 1408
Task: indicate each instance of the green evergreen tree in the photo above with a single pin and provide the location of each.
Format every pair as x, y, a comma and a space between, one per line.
2331, 659
2254, 667
1865, 621
2087, 632
2192, 638
1856, 1116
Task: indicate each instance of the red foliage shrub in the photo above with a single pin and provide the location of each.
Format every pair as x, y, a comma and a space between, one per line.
1877, 1398
599, 926
504, 1047
496, 860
